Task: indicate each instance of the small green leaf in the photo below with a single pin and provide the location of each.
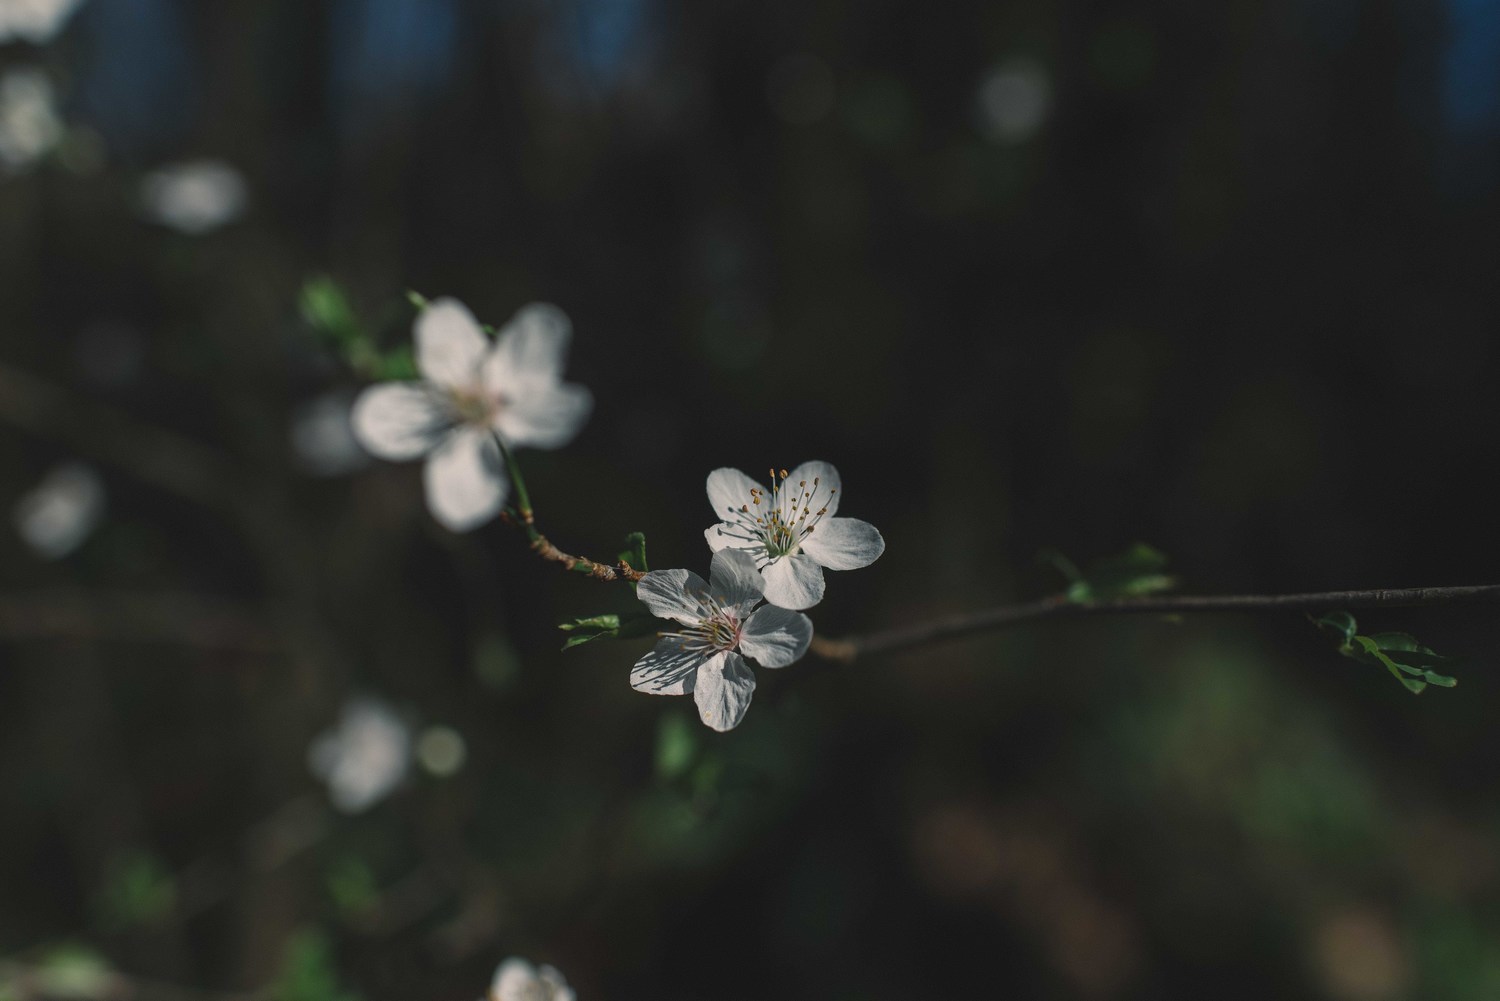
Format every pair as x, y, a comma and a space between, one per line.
326, 309
398, 363
634, 554
1137, 572
417, 299
1394, 641
596, 627
139, 890
1338, 623
309, 971
352, 885
1061, 564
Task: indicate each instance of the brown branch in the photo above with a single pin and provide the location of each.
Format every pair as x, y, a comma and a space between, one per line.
525, 521
851, 648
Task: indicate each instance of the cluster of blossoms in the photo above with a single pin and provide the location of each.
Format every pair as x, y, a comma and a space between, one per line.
770, 545
477, 399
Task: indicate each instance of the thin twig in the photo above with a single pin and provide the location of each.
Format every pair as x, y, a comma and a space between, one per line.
544, 548
850, 648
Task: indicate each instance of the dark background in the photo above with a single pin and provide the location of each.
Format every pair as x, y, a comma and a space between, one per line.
1227, 292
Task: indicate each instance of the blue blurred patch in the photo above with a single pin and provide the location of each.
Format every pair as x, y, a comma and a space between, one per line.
388, 54
1471, 67
136, 74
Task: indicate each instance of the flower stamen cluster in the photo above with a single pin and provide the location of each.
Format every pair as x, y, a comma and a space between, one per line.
780, 523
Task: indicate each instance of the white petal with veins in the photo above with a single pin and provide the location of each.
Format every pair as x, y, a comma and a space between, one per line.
844, 543
723, 691
776, 637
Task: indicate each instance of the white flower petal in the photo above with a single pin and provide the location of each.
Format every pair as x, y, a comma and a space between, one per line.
726, 536
57, 516
450, 345
545, 416
793, 582
725, 686
667, 670
518, 980
194, 197
364, 757
734, 580
672, 594
844, 543
822, 482
398, 420
529, 352
729, 490
776, 637
466, 484
553, 979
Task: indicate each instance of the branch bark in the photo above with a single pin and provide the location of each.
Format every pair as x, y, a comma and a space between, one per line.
851, 648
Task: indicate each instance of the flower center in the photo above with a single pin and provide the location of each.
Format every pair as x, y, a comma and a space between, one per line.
472, 405
781, 520
717, 629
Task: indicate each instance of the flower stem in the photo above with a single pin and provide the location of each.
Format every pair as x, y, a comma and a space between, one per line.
523, 499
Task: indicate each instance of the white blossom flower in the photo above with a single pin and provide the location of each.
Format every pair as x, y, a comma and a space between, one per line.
720, 628
29, 123
56, 516
35, 21
790, 529
518, 980
194, 197
473, 390
364, 757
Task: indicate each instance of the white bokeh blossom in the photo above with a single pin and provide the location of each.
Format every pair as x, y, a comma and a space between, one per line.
517, 980
34, 21
364, 757
194, 197
30, 126
323, 438
59, 513
721, 626
790, 529
472, 390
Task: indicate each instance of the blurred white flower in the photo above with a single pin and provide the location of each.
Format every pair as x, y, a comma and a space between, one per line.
471, 391
790, 530
34, 21
29, 123
364, 757
56, 516
194, 197
1014, 100
323, 437
720, 624
518, 980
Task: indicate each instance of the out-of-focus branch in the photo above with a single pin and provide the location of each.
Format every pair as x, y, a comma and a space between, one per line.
186, 619
851, 648
161, 457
